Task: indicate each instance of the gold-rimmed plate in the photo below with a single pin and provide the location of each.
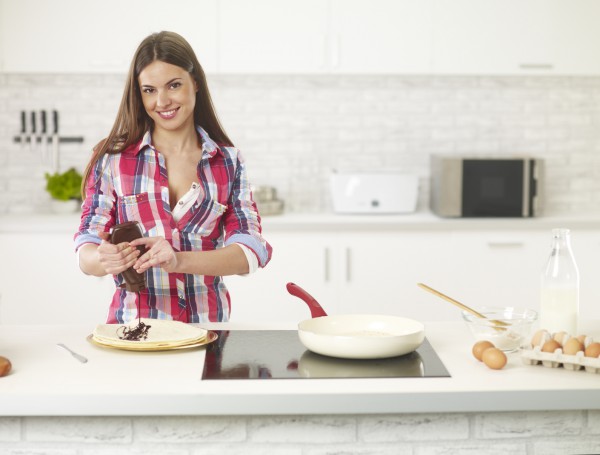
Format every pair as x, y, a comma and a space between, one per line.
161, 333
210, 337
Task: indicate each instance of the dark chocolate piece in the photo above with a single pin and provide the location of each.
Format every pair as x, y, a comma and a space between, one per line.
126, 232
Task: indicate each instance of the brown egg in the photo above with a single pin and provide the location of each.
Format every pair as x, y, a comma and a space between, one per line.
5, 366
494, 358
551, 346
593, 350
540, 337
561, 337
581, 338
572, 346
479, 347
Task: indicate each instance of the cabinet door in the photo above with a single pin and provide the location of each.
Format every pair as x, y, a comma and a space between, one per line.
575, 36
381, 36
586, 249
69, 36
491, 37
382, 269
299, 257
499, 268
272, 36
516, 37
41, 283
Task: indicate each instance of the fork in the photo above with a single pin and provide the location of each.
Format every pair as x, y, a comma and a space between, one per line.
79, 357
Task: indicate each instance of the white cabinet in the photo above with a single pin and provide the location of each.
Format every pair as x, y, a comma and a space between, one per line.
272, 36
586, 249
498, 268
375, 271
381, 270
516, 37
575, 36
488, 37
303, 258
79, 36
381, 36
316, 36
360, 272
40, 282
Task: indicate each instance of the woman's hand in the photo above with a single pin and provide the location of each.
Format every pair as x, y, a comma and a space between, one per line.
159, 253
115, 259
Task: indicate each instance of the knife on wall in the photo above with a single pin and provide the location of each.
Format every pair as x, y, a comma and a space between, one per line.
44, 136
55, 139
32, 136
23, 128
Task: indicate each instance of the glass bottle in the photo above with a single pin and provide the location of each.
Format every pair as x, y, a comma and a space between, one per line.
559, 304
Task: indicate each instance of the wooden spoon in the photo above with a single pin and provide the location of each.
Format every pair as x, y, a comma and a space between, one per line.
461, 305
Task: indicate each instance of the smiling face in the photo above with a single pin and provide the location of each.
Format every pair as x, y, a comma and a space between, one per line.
169, 96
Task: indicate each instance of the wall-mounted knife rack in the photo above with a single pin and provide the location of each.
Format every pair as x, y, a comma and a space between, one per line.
31, 135
38, 140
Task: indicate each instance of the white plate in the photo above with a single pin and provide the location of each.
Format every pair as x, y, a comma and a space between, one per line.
361, 336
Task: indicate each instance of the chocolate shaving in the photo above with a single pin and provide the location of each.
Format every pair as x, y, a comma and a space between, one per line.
137, 333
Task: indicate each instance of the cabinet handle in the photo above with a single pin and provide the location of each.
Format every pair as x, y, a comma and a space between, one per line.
348, 265
536, 66
507, 244
326, 264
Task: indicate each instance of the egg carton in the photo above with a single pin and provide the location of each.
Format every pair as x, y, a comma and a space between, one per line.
535, 356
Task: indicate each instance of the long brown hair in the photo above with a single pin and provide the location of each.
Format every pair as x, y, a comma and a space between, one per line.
132, 120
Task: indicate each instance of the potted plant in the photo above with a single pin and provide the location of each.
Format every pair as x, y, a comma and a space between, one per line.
65, 190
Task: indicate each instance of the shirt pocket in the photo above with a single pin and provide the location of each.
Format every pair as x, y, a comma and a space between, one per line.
205, 217
139, 207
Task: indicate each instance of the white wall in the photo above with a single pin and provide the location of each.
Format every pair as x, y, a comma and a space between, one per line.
294, 129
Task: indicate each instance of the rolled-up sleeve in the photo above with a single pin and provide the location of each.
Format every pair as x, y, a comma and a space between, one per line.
241, 219
98, 209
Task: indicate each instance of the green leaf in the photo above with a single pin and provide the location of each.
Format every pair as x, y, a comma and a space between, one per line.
64, 186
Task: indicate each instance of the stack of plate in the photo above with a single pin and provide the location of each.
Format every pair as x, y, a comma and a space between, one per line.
162, 335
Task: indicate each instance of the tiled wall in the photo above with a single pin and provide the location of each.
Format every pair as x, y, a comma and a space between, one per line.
514, 433
295, 129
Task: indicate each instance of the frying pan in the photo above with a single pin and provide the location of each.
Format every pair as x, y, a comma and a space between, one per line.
356, 336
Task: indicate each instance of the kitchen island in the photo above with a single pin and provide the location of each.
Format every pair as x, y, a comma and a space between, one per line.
46, 380
120, 397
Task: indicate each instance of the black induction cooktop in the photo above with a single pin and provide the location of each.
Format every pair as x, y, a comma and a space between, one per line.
279, 354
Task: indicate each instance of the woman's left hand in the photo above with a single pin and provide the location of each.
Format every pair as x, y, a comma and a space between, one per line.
159, 253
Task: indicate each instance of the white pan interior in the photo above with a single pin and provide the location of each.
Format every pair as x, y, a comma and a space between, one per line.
361, 336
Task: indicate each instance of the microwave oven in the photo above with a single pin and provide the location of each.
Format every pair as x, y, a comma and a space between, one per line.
463, 186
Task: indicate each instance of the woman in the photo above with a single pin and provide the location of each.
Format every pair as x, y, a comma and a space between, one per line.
168, 164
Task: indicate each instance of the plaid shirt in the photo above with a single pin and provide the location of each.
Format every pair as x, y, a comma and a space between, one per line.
133, 185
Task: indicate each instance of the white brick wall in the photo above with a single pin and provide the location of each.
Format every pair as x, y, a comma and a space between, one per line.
526, 433
294, 129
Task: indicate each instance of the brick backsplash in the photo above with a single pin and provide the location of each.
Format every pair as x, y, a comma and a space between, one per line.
495, 433
294, 129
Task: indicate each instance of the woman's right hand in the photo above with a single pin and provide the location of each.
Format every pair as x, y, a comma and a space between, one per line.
117, 258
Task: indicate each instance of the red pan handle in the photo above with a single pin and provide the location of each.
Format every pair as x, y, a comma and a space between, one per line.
316, 310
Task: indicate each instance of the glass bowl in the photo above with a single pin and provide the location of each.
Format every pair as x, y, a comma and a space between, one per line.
506, 338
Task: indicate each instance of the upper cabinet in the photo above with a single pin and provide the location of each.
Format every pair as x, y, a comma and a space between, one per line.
380, 36
272, 36
71, 36
316, 36
479, 37
514, 37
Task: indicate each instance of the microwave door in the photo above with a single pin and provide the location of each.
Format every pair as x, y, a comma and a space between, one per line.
494, 188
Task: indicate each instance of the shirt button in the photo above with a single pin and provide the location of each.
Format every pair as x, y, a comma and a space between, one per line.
180, 202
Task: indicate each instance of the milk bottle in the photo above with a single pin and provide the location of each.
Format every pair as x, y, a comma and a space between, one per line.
559, 304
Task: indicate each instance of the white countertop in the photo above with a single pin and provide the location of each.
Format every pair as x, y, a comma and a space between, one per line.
46, 380
425, 220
